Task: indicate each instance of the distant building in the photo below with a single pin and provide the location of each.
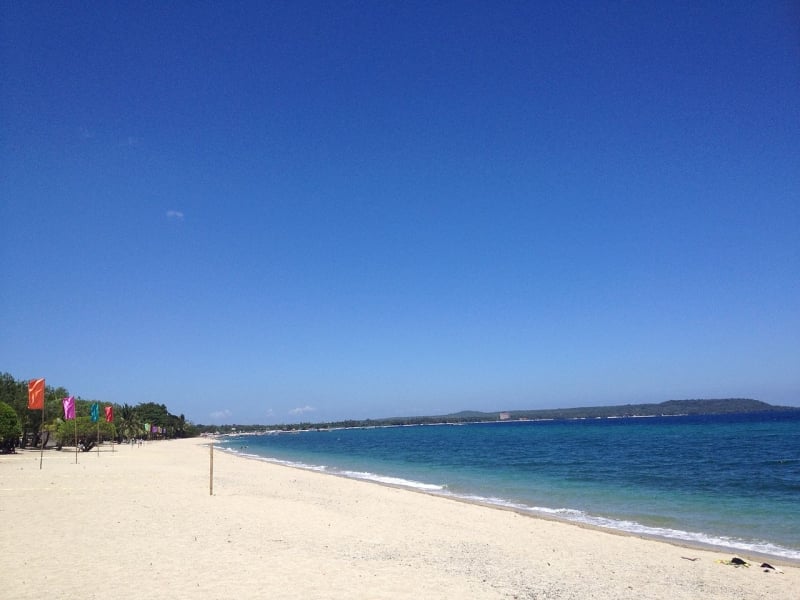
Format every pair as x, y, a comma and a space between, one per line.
505, 416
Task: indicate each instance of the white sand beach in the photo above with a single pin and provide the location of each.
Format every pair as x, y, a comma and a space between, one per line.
139, 522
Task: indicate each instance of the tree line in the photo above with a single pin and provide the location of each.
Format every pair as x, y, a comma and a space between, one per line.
21, 427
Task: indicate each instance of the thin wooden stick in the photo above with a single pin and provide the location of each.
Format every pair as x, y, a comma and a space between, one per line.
211, 469
41, 431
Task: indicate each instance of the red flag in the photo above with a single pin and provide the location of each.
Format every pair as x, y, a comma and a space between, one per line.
109, 414
36, 394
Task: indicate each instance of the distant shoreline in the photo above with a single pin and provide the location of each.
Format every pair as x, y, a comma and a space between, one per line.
670, 408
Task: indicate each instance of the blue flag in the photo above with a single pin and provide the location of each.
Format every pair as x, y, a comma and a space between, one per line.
95, 412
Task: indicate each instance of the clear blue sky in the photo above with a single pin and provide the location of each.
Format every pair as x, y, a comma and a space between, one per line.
284, 211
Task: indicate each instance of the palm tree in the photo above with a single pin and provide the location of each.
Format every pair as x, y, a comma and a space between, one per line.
129, 423
180, 426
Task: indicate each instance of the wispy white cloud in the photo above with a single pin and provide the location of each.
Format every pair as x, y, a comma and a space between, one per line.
175, 215
220, 414
301, 410
269, 413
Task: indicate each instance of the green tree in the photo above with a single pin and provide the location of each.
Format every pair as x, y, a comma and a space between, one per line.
10, 429
129, 419
87, 432
158, 415
15, 394
179, 424
129, 424
155, 414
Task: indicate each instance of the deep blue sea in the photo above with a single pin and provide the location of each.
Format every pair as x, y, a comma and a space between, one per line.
732, 480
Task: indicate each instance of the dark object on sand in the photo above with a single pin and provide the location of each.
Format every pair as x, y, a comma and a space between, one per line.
768, 568
737, 561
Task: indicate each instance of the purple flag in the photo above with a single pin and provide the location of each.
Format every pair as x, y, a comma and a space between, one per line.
69, 408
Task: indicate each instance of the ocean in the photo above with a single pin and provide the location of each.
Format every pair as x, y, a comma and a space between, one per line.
725, 480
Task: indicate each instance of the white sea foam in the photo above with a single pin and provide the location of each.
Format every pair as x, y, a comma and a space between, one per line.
417, 485
760, 547
365, 475
577, 516
567, 514
277, 461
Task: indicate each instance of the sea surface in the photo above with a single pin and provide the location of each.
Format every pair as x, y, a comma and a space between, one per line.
730, 481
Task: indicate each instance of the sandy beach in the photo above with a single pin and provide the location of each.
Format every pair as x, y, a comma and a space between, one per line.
140, 521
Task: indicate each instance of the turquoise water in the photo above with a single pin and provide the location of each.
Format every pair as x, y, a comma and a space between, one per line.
728, 480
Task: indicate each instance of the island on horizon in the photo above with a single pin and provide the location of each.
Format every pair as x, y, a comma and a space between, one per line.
669, 408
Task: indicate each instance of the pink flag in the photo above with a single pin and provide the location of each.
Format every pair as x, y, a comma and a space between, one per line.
69, 408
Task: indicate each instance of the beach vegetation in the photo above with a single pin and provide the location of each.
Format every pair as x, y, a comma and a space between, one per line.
83, 431
10, 428
129, 421
130, 426
15, 394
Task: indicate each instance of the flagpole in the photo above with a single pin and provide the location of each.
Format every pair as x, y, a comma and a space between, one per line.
41, 430
109, 410
211, 468
75, 418
98, 437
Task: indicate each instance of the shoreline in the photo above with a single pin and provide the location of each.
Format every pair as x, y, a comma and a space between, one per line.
532, 513
753, 556
143, 516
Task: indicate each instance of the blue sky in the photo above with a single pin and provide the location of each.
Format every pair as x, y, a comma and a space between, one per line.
279, 212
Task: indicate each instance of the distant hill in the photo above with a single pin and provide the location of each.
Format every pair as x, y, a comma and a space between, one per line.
668, 408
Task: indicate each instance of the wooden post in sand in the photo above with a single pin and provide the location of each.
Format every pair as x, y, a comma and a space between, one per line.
41, 435
211, 468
